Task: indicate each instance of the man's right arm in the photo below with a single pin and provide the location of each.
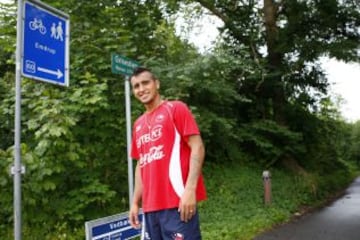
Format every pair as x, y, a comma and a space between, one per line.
135, 205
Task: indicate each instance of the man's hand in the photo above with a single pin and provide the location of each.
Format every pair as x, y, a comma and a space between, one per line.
187, 206
134, 216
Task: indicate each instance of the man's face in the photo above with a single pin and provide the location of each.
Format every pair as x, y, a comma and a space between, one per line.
144, 87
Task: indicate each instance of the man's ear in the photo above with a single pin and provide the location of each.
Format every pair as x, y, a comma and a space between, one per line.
157, 84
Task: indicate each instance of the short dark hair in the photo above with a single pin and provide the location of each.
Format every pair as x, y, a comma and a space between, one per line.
137, 71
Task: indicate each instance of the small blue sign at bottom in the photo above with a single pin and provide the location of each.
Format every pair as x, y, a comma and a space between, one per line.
115, 227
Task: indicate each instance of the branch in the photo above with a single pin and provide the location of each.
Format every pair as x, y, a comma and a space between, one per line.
214, 10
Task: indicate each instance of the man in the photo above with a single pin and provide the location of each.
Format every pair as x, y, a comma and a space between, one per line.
170, 152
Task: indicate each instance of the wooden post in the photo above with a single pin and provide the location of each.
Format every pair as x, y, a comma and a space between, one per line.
267, 187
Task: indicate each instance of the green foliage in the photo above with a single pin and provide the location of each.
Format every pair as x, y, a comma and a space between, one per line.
235, 207
286, 75
268, 142
354, 149
326, 142
253, 109
74, 139
198, 81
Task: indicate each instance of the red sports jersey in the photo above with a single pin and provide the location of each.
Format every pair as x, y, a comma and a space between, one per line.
159, 142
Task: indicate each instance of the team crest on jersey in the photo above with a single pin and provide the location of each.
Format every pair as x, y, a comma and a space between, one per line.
178, 236
159, 118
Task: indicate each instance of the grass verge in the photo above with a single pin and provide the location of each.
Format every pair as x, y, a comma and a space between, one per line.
235, 208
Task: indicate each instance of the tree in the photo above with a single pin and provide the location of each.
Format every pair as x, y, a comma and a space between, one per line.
276, 35
282, 42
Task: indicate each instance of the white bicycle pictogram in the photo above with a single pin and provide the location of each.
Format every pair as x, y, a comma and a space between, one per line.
37, 24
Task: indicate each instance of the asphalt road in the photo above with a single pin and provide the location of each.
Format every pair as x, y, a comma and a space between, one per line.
338, 221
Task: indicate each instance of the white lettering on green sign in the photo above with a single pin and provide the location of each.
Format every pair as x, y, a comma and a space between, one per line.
122, 65
125, 62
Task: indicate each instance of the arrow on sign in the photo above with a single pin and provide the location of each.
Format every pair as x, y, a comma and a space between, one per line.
58, 73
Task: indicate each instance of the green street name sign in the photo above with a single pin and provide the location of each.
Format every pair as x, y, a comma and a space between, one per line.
122, 65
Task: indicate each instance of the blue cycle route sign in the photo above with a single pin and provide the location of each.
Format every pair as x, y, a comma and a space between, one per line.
45, 43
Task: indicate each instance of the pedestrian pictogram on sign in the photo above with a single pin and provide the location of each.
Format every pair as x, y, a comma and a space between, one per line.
45, 44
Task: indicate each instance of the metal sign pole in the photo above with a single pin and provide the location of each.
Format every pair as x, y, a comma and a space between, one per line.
125, 66
16, 170
128, 137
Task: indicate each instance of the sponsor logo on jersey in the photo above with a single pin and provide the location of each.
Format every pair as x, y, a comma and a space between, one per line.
154, 134
154, 154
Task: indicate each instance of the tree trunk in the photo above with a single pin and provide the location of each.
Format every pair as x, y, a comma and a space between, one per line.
274, 62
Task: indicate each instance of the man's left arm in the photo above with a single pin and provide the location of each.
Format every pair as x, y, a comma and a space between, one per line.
187, 205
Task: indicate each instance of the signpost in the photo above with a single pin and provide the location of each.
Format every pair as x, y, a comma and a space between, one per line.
46, 44
42, 53
116, 227
125, 66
